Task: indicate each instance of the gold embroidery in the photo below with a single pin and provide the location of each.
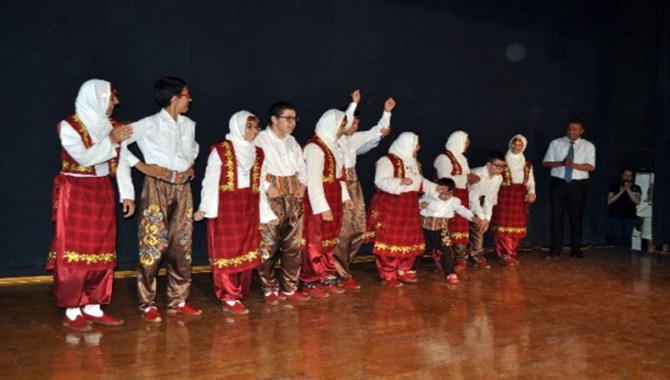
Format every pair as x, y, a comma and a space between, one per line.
460, 235
329, 164
247, 258
229, 163
405, 249
256, 174
88, 258
330, 242
152, 235
510, 230
455, 165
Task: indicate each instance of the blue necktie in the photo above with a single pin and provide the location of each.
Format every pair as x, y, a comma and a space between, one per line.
571, 155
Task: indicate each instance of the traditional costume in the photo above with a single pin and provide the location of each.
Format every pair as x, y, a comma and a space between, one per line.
230, 200
83, 250
510, 216
453, 164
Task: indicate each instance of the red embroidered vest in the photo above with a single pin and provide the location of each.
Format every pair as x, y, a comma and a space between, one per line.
507, 174
69, 164
228, 178
329, 164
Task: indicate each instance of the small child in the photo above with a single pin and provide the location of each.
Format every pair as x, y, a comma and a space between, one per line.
435, 215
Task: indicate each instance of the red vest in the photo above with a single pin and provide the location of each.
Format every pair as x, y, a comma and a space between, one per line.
228, 178
69, 164
507, 175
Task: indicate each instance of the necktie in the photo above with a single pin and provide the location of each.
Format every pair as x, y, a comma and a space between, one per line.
571, 155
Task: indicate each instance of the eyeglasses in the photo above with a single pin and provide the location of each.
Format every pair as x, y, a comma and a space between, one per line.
290, 118
499, 166
188, 95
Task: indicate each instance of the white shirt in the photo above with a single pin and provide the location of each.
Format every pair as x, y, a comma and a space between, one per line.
517, 177
585, 153
209, 196
439, 208
97, 155
385, 181
444, 167
163, 141
487, 187
315, 161
283, 158
362, 142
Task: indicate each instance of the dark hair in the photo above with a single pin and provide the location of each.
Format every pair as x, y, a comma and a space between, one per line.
448, 182
495, 155
577, 121
357, 115
167, 87
279, 107
627, 169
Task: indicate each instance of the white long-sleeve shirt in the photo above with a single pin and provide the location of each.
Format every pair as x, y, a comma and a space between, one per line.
97, 155
444, 209
283, 158
362, 142
163, 141
487, 187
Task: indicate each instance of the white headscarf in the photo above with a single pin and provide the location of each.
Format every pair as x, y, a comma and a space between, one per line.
245, 151
326, 129
403, 147
515, 162
91, 106
456, 145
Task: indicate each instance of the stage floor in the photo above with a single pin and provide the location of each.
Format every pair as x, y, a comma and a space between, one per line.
603, 317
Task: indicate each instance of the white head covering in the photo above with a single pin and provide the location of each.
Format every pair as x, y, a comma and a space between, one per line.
404, 146
515, 162
91, 106
456, 145
245, 151
326, 129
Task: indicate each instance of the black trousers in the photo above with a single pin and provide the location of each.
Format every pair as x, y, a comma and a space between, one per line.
570, 196
439, 241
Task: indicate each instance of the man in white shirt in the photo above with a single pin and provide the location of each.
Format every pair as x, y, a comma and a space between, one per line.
283, 181
483, 196
165, 227
570, 158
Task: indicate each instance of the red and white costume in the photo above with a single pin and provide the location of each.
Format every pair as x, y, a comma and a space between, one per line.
230, 199
510, 216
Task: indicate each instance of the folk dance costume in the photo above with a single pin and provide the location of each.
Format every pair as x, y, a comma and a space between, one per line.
483, 196
165, 225
393, 221
282, 217
353, 221
435, 224
83, 250
326, 191
230, 201
453, 164
510, 216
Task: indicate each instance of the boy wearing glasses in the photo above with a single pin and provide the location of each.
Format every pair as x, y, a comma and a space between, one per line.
435, 215
283, 181
165, 227
483, 196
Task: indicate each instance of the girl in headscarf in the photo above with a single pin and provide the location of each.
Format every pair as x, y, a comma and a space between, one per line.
326, 193
510, 216
230, 201
83, 251
393, 222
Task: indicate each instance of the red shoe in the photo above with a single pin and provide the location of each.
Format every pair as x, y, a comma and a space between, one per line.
77, 324
350, 283
314, 291
271, 299
461, 264
453, 278
152, 315
509, 262
186, 310
330, 288
406, 278
237, 308
483, 264
295, 296
392, 283
105, 320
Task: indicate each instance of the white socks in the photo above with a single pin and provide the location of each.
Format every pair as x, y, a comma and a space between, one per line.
93, 310
72, 313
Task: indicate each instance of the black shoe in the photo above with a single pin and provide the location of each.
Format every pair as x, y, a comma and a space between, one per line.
577, 254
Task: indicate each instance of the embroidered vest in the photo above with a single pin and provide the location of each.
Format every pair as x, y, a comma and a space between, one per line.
69, 164
329, 164
507, 174
228, 178
456, 168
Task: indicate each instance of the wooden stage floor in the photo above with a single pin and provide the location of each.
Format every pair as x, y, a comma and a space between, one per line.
603, 317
